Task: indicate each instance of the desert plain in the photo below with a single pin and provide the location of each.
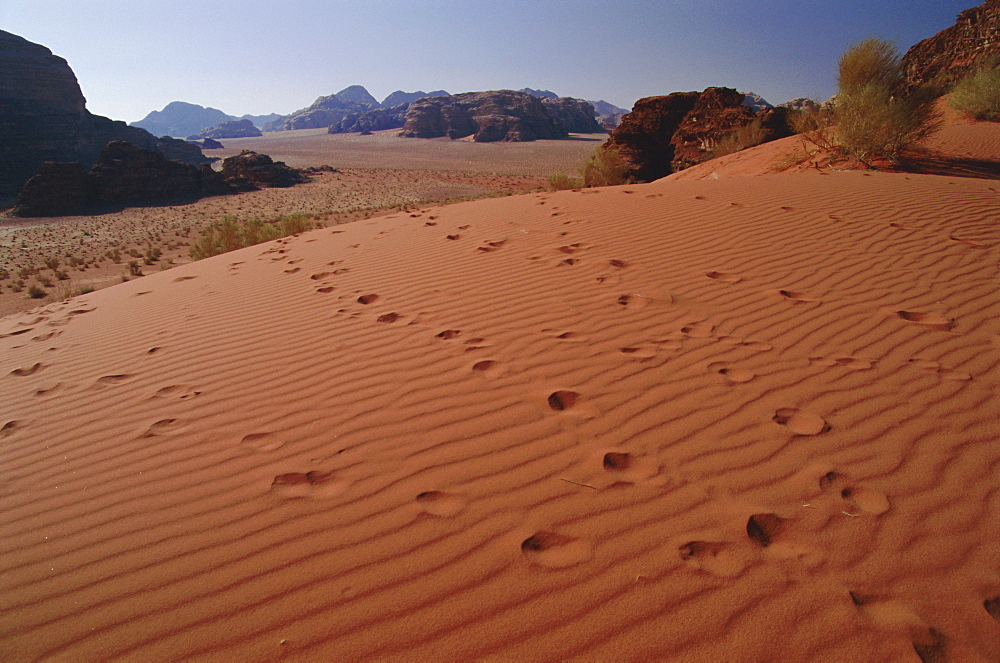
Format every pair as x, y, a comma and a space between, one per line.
730, 414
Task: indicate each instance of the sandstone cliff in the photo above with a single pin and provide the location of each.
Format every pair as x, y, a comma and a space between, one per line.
43, 117
669, 133
956, 51
576, 115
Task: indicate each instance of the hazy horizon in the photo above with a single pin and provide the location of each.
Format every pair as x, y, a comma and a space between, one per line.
133, 57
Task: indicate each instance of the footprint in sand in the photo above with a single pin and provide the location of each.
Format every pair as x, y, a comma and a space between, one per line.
293, 270
113, 379
10, 427
441, 504
698, 330
945, 373
492, 246
163, 427
555, 551
571, 248
724, 277
563, 400
638, 352
184, 278
367, 299
796, 297
801, 422
619, 264
763, 528
992, 607
731, 373
319, 276
388, 317
262, 442
25, 372
297, 485
628, 468
929, 320
931, 646
634, 301
852, 363
325, 289
855, 498
488, 368
448, 334
711, 557
453, 237
177, 391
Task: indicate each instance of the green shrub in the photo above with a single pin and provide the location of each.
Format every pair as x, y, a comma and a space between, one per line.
875, 116
36, 292
562, 182
231, 233
740, 138
815, 125
979, 95
605, 167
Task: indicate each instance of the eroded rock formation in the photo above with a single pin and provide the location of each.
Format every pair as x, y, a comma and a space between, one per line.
229, 129
327, 111
43, 117
260, 170
576, 115
669, 133
373, 120
958, 50
399, 97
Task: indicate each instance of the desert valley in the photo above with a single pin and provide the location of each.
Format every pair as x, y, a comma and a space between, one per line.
505, 375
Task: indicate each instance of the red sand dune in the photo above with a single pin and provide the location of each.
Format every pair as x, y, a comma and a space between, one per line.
735, 419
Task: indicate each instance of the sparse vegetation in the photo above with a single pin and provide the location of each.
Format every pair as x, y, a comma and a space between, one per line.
35, 291
978, 95
748, 135
605, 167
875, 116
232, 233
815, 125
562, 182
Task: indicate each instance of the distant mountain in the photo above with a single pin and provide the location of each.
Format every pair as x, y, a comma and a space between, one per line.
399, 97
541, 94
755, 101
179, 119
260, 120
604, 108
327, 111
229, 129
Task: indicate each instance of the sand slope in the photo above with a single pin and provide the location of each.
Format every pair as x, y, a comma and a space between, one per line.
736, 419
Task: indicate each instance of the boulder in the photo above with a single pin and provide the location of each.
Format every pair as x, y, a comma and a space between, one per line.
43, 117
502, 115
669, 133
230, 129
956, 51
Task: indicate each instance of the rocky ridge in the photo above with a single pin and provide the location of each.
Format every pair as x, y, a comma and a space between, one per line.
327, 111
229, 129
43, 117
668, 133
958, 50
399, 97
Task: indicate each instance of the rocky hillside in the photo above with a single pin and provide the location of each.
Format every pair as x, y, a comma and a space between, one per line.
179, 119
327, 111
43, 117
669, 133
229, 129
373, 120
956, 51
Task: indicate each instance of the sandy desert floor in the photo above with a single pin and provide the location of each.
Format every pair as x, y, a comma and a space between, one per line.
376, 174
735, 418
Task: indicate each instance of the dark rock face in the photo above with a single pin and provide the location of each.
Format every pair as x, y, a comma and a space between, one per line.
259, 169
230, 129
179, 118
957, 51
373, 120
503, 115
399, 97
541, 94
210, 144
576, 115
327, 111
129, 175
755, 101
43, 117
666, 134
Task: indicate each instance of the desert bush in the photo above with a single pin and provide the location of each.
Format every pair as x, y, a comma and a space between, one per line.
605, 167
36, 292
133, 268
52, 263
62, 275
45, 280
748, 135
875, 116
231, 233
562, 182
4, 274
815, 125
978, 95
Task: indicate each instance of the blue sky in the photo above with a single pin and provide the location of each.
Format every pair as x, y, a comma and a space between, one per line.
134, 56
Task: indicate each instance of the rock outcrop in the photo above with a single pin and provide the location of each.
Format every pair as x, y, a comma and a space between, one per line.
373, 120
755, 101
229, 129
399, 97
669, 133
179, 119
259, 170
607, 115
128, 175
576, 115
43, 117
541, 94
799, 104
956, 51
499, 115
327, 111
